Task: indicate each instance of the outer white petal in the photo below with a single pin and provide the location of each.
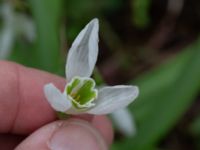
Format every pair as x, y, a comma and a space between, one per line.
82, 55
56, 99
124, 122
113, 98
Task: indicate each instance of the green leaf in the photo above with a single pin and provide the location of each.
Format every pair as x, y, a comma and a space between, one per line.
172, 104
154, 83
47, 14
165, 95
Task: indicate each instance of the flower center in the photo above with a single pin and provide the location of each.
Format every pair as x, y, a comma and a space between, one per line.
81, 91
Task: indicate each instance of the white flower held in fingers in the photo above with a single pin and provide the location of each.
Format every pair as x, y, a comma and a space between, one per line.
80, 95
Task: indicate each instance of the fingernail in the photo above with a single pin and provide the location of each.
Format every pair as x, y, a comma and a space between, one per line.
75, 135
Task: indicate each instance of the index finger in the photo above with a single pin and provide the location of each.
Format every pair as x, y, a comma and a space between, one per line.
23, 107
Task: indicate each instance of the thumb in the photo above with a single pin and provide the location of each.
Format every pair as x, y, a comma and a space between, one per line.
73, 134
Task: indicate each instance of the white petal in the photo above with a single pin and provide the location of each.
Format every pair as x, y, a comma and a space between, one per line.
113, 98
56, 99
124, 122
82, 55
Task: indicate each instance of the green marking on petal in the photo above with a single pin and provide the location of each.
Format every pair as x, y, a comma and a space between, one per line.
74, 83
82, 92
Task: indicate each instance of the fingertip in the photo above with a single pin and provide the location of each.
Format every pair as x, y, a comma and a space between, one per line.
32, 101
73, 134
22, 97
104, 125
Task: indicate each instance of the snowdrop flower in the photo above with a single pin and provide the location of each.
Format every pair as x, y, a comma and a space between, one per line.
80, 95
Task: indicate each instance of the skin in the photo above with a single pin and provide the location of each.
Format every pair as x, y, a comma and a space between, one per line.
27, 119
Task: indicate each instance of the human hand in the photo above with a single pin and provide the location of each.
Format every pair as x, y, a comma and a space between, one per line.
28, 121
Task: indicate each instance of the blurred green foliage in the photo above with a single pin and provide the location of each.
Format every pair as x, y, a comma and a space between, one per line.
166, 93
47, 15
140, 12
78, 13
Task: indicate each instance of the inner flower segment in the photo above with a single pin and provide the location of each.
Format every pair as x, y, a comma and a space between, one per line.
81, 91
